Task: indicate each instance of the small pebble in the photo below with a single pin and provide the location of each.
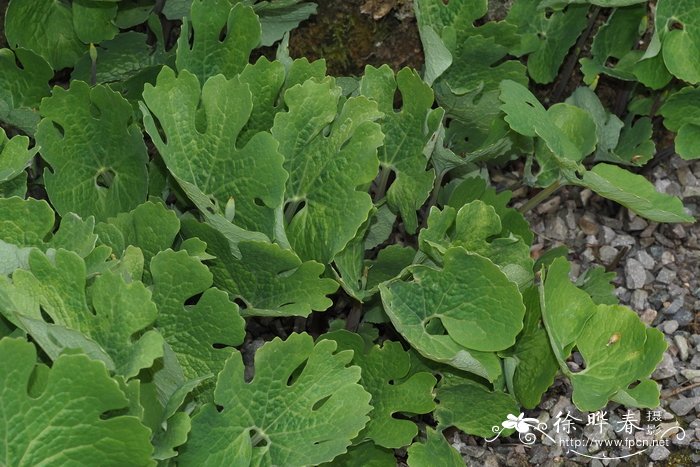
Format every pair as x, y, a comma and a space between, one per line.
648, 316
588, 225
686, 177
691, 191
585, 195
666, 369
550, 205
607, 254
588, 255
570, 219
491, 461
649, 230
670, 326
646, 259
695, 340
635, 274
674, 306
575, 270
691, 375
591, 240
684, 405
667, 258
678, 231
637, 224
662, 184
659, 453
682, 344
623, 240
557, 229
639, 299
684, 317
666, 276
608, 234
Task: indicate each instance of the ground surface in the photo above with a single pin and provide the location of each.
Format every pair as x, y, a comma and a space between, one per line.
656, 265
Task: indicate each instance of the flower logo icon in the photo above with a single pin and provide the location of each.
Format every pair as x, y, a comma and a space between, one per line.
520, 423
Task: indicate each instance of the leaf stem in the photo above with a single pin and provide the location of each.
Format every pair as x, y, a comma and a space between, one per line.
290, 210
436, 191
384, 173
539, 197
433, 197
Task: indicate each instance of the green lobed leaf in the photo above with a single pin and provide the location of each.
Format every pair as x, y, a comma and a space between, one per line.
603, 3
435, 450
644, 394
74, 234
446, 318
15, 187
597, 283
577, 126
635, 354
535, 366
437, 56
606, 336
133, 12
687, 141
55, 339
681, 115
151, 227
208, 55
280, 17
303, 406
109, 312
25, 222
476, 188
172, 425
63, 422
15, 156
472, 407
550, 36
407, 133
21, 89
469, 91
389, 263
636, 146
200, 146
477, 228
635, 193
360, 277
608, 125
678, 26
457, 20
613, 44
365, 454
123, 61
93, 20
324, 139
46, 28
95, 149
527, 116
268, 81
481, 65
194, 331
268, 279
385, 376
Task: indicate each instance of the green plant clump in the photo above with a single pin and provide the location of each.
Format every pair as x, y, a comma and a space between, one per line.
171, 203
